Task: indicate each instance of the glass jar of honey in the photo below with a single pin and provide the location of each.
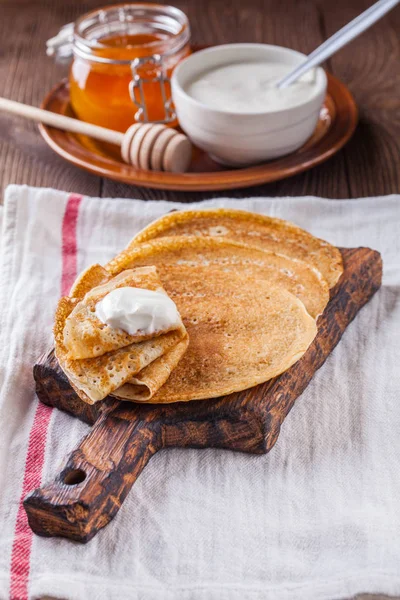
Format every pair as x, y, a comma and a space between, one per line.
123, 57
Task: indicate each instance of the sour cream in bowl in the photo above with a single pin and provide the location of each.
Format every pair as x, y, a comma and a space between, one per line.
228, 103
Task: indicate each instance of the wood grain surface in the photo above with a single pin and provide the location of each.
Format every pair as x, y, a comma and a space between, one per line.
90, 488
370, 66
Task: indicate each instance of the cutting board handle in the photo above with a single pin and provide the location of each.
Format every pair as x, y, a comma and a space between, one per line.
90, 488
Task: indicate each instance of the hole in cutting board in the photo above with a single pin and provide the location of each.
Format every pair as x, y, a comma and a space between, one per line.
74, 477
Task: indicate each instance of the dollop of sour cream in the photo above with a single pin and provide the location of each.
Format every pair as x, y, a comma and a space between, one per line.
250, 87
136, 310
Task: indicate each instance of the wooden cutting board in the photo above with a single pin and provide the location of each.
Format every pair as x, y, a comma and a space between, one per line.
89, 490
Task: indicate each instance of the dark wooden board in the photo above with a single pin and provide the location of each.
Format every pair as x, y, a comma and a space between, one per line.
90, 488
369, 66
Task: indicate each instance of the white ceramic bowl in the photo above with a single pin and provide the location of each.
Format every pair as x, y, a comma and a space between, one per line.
239, 139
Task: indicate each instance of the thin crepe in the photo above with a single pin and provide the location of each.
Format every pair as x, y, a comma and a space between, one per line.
261, 231
147, 362
85, 336
243, 328
207, 255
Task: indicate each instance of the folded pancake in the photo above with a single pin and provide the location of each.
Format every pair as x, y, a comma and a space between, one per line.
124, 357
145, 384
85, 336
244, 326
261, 231
174, 255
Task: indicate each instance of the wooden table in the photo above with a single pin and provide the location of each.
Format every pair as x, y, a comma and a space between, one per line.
368, 165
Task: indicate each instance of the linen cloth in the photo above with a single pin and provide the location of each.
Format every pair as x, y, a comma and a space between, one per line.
317, 518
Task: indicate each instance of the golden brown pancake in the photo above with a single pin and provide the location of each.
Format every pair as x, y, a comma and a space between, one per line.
85, 336
208, 255
261, 231
95, 377
145, 384
244, 326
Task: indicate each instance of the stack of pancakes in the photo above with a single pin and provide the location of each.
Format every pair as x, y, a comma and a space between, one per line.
249, 289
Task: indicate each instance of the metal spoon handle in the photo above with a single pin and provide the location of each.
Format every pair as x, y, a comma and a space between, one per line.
340, 39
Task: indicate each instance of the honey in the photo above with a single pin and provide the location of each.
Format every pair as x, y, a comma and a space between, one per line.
120, 72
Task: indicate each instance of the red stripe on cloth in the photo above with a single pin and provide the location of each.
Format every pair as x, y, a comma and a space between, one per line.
21, 550
23, 535
69, 244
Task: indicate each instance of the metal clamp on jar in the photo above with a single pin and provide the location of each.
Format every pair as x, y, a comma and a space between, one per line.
122, 60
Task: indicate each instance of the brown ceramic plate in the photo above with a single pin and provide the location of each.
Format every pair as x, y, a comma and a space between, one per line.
336, 125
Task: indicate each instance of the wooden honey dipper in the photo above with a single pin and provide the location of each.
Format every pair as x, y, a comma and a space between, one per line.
143, 145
